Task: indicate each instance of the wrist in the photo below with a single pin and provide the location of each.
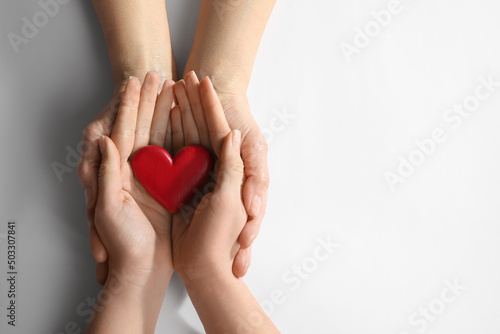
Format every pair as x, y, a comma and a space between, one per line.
122, 300
225, 79
213, 283
195, 278
145, 279
137, 37
139, 66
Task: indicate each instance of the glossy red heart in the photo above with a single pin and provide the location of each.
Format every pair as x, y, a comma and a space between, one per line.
172, 182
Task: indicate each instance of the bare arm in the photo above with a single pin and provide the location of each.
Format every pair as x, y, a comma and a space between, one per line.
204, 250
225, 46
137, 36
226, 305
226, 41
138, 40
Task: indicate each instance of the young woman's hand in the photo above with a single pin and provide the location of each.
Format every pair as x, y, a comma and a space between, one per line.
134, 229
205, 239
142, 120
205, 245
138, 40
199, 119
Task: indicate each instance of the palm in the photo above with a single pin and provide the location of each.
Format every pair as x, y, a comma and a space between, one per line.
151, 222
157, 215
128, 134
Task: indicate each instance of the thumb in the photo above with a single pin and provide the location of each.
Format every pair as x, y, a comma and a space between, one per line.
110, 182
231, 170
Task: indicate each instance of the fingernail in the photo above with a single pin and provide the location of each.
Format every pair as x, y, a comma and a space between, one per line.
252, 239
210, 82
236, 139
245, 261
102, 144
152, 72
256, 205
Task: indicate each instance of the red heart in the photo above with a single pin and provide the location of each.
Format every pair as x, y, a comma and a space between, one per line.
172, 183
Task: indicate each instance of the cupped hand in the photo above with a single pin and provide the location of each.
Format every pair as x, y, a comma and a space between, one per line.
142, 119
205, 243
254, 154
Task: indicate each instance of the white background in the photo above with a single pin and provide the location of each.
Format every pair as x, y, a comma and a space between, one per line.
351, 122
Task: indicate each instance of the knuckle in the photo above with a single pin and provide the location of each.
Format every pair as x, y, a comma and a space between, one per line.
82, 170
106, 168
238, 167
127, 133
265, 179
94, 130
157, 135
261, 145
142, 132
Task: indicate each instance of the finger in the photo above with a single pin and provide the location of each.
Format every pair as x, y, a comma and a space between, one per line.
193, 92
254, 154
96, 246
101, 272
242, 262
89, 167
124, 128
251, 229
110, 181
214, 115
162, 114
149, 94
191, 136
231, 170
177, 131
168, 139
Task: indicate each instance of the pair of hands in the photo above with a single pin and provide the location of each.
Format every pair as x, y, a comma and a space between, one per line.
141, 238
144, 243
153, 127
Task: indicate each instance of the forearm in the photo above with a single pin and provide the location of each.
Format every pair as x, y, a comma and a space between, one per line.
137, 36
125, 307
226, 305
227, 38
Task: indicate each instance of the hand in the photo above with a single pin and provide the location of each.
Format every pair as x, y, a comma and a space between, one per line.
137, 36
254, 155
208, 243
149, 129
221, 31
204, 250
134, 229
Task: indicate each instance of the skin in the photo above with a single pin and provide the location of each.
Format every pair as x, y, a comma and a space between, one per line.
134, 49
134, 228
138, 39
223, 27
144, 248
204, 251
